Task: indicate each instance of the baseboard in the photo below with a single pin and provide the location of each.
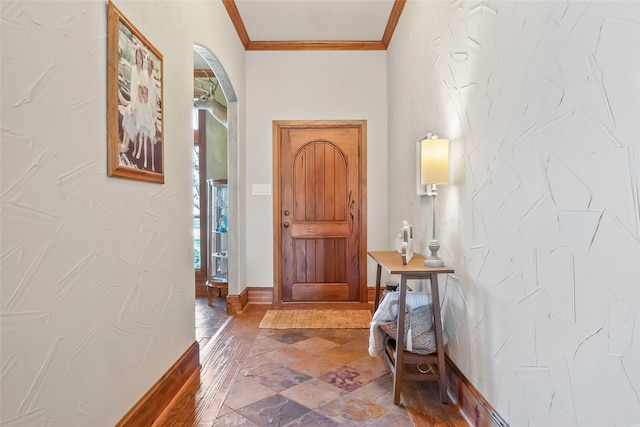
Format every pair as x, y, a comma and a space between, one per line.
473, 406
264, 295
237, 303
371, 294
260, 295
151, 405
251, 295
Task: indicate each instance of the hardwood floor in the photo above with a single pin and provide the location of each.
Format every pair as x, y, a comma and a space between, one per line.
325, 377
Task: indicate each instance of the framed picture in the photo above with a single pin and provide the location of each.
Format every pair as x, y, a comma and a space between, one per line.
135, 133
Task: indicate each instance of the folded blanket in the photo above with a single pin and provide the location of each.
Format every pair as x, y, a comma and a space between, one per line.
388, 311
420, 336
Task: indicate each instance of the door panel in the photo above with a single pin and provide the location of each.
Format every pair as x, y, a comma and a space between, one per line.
320, 260
319, 180
320, 213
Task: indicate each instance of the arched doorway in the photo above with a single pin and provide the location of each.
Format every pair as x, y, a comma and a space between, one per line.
215, 175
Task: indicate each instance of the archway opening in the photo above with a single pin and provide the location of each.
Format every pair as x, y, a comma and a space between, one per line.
214, 177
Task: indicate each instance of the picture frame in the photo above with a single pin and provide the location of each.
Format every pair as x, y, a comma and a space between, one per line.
135, 120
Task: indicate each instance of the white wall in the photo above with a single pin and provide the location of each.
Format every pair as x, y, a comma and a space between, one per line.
97, 279
541, 219
311, 86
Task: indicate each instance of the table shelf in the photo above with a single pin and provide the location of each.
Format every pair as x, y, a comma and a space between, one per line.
403, 364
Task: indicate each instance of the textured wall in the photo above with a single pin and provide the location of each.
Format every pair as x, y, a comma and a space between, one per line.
97, 296
541, 219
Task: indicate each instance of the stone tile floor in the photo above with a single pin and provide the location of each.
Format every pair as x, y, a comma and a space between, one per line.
312, 377
297, 377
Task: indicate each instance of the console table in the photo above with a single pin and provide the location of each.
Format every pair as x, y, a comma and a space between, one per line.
391, 261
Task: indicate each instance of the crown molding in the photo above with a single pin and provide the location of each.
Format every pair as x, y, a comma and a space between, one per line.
249, 44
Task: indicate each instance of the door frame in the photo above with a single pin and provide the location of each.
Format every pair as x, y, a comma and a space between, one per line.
278, 125
200, 138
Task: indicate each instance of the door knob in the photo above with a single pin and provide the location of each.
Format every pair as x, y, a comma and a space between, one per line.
286, 213
286, 225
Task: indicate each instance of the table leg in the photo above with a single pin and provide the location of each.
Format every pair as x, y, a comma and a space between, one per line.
209, 294
398, 368
378, 278
439, 337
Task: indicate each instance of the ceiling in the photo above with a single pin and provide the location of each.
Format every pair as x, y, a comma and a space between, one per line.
310, 25
314, 24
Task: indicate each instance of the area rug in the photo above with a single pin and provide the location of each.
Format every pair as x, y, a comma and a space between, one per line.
316, 319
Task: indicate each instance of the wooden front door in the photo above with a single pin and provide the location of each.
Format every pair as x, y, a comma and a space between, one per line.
319, 215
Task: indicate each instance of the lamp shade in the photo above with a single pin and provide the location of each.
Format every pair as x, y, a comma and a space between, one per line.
435, 161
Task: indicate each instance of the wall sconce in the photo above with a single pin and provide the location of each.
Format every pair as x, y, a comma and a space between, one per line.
433, 168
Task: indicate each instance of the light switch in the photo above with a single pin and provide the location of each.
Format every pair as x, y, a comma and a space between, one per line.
261, 189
